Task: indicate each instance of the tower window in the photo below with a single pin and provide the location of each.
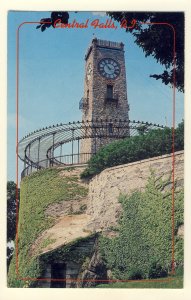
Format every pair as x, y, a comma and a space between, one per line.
87, 94
110, 91
110, 128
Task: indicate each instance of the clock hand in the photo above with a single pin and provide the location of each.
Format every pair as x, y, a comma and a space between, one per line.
108, 67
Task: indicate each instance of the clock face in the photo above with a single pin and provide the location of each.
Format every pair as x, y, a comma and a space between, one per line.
109, 68
89, 71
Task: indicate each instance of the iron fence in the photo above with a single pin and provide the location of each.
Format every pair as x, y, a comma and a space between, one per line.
60, 144
65, 160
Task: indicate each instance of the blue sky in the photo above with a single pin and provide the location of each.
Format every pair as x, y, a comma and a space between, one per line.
52, 77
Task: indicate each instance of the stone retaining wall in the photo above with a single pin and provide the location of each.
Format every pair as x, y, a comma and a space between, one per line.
105, 188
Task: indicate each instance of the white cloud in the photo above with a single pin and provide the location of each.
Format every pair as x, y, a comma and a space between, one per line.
99, 13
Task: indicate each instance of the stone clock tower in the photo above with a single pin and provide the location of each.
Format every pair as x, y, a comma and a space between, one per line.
105, 89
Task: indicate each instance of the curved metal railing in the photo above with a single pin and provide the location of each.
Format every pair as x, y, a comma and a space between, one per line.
65, 160
49, 146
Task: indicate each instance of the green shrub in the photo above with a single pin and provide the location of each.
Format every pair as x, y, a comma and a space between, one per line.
154, 143
136, 274
157, 271
143, 248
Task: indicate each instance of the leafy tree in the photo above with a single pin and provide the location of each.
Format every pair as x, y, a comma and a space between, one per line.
55, 15
11, 217
158, 40
155, 40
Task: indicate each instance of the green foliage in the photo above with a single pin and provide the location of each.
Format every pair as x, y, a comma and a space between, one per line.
38, 191
166, 283
45, 243
11, 210
135, 274
157, 271
143, 248
157, 40
11, 217
45, 23
69, 252
146, 145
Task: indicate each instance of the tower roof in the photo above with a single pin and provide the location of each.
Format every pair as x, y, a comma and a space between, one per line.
103, 44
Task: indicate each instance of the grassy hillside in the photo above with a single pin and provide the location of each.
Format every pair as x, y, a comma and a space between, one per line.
38, 191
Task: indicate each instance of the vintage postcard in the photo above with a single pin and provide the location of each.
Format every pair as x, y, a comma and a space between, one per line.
96, 190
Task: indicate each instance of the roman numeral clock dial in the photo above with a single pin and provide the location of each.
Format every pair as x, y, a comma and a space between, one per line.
109, 68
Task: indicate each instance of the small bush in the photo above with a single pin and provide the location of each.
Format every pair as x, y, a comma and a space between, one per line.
136, 274
157, 271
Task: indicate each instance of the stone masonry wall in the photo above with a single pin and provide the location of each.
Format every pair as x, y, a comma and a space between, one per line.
105, 188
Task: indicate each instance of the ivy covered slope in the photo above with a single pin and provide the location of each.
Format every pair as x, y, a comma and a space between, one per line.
143, 248
145, 145
38, 191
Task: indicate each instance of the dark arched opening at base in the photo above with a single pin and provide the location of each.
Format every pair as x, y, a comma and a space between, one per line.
58, 272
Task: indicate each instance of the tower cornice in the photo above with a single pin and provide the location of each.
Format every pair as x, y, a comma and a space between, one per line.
104, 44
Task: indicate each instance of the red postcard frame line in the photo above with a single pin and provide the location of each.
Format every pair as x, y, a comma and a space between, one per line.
173, 160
